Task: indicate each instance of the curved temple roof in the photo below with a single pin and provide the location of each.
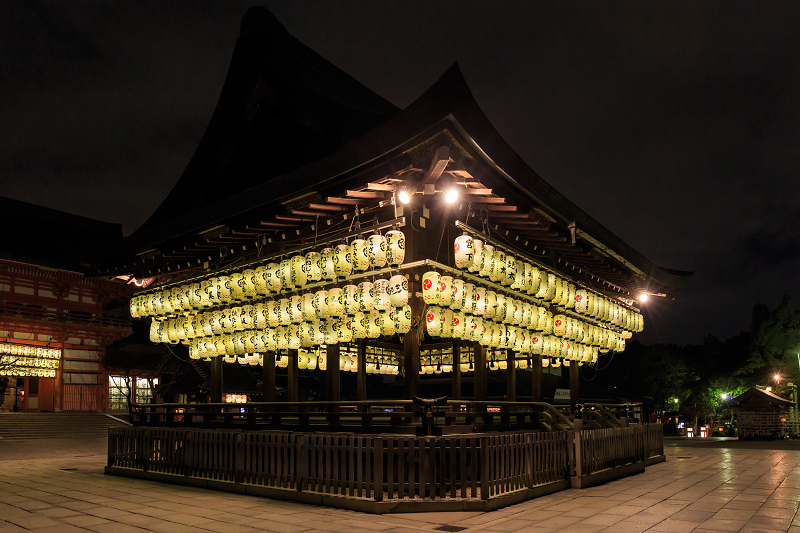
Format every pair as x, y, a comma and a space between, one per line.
288, 124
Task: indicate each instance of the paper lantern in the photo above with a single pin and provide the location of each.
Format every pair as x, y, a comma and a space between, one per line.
285, 273
458, 295
581, 300
469, 298
312, 267
398, 290
464, 251
387, 322
395, 247
376, 250
249, 283
510, 309
260, 280
447, 323
307, 307
402, 319
501, 308
477, 255
155, 336
373, 324
458, 325
335, 302
350, 299
487, 260
445, 290
318, 328
298, 271
224, 289
322, 361
305, 332
235, 283
516, 313
365, 296
479, 301
358, 326
327, 263
343, 257
433, 321
491, 305
431, 287
344, 328
283, 312
236, 318
497, 273
273, 277
249, 316
312, 361
510, 270
494, 339
134, 307
381, 295
320, 303
296, 308
359, 258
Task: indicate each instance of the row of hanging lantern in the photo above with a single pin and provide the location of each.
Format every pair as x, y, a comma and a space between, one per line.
30, 351
521, 335
28, 366
484, 260
291, 274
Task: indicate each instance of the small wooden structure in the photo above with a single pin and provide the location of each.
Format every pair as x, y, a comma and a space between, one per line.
760, 414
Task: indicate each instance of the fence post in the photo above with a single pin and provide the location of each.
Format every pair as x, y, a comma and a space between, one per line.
188, 451
147, 449
377, 471
484, 467
112, 437
302, 468
238, 458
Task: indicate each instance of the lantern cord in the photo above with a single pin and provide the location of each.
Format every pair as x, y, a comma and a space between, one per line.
596, 370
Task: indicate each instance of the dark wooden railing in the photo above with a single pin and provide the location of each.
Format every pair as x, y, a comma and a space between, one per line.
395, 416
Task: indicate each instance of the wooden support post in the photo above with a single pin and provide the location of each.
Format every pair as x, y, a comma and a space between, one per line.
361, 374
536, 377
332, 374
574, 385
511, 377
333, 382
293, 385
480, 372
411, 349
216, 380
268, 377
456, 369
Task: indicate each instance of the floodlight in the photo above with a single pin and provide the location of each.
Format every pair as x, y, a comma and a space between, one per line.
451, 196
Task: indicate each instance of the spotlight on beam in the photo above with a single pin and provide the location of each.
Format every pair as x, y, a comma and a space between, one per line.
451, 196
643, 297
404, 196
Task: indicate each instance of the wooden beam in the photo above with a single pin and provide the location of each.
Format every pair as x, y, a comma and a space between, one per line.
382, 186
456, 393
361, 371
511, 377
364, 194
268, 377
277, 224
501, 208
574, 385
488, 200
326, 207
440, 160
304, 212
288, 218
477, 191
345, 201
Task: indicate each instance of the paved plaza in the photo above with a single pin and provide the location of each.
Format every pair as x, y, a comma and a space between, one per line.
710, 486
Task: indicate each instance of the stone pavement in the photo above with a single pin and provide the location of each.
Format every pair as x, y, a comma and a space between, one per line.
720, 487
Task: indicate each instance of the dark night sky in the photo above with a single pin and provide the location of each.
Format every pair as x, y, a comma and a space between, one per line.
675, 124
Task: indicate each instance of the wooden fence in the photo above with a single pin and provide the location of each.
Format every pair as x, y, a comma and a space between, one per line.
379, 467
385, 468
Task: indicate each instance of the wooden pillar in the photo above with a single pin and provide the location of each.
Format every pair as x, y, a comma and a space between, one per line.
293, 385
268, 377
216, 380
456, 369
411, 346
574, 384
511, 377
480, 372
536, 377
361, 374
332, 377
